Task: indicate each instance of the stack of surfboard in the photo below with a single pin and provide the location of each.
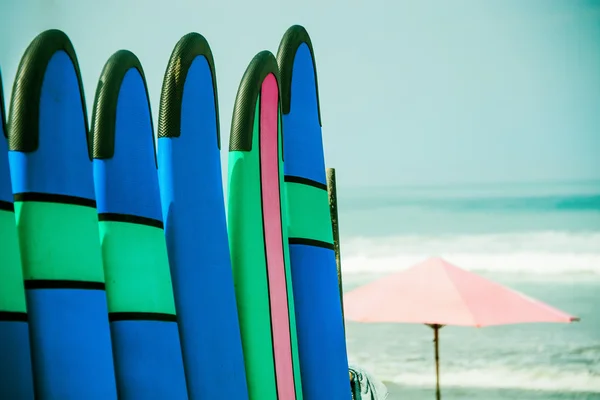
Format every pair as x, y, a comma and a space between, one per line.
120, 276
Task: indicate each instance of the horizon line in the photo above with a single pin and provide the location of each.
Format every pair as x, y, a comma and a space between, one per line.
472, 184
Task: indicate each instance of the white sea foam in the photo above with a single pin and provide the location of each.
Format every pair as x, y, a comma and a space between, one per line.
549, 254
543, 379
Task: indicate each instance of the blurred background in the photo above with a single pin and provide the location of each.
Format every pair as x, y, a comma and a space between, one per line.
464, 129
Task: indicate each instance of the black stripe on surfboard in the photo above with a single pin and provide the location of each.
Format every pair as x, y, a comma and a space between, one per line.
62, 284
311, 242
55, 198
7, 206
13, 316
131, 219
141, 316
304, 181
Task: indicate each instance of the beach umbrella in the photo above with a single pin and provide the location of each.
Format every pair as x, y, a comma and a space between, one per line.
437, 293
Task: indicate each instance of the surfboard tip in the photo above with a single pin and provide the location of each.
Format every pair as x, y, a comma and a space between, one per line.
187, 49
23, 132
242, 123
293, 38
104, 114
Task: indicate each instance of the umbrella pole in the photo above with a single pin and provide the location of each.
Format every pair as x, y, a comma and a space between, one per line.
436, 329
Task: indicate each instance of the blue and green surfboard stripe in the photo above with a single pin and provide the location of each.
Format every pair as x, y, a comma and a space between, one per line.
321, 338
55, 210
147, 350
246, 236
16, 379
195, 225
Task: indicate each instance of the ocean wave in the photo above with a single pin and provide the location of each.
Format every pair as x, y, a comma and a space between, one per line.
531, 263
540, 378
481, 202
539, 253
495, 375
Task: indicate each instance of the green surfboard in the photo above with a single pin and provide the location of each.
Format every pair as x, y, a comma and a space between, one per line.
259, 251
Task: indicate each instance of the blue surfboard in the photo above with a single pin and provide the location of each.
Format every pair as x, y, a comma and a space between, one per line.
16, 380
55, 209
147, 351
321, 338
196, 230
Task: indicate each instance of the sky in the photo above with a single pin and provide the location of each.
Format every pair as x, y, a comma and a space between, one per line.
417, 92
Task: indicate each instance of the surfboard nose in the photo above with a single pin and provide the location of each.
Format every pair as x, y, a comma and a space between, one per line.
303, 143
124, 152
48, 122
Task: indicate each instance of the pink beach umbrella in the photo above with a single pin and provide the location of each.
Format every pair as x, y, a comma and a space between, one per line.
437, 293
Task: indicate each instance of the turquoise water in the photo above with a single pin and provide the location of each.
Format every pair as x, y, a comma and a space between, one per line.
541, 239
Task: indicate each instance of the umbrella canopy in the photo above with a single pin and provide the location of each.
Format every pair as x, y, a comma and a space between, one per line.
436, 292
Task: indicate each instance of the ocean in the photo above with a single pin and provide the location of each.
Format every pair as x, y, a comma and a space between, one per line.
541, 239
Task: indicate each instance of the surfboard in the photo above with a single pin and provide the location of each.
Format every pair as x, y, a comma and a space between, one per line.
258, 241
16, 380
55, 210
321, 339
147, 351
195, 226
